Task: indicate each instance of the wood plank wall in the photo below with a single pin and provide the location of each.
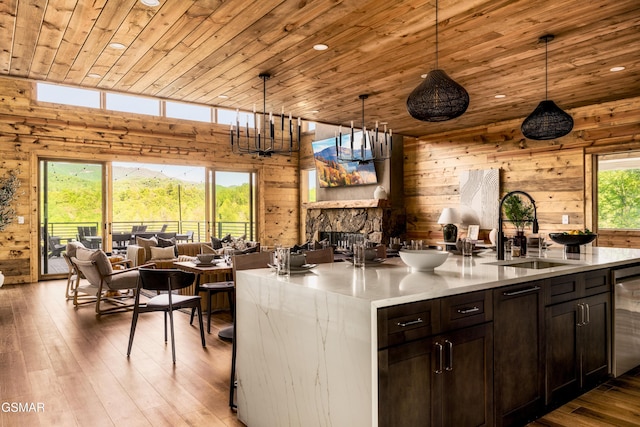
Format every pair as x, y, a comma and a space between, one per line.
29, 131
558, 173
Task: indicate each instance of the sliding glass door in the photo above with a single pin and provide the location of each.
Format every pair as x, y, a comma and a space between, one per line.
71, 208
235, 205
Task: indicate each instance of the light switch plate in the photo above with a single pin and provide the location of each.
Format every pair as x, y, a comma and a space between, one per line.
565, 219
20, 220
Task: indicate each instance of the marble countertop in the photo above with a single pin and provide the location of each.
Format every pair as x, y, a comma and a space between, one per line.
393, 282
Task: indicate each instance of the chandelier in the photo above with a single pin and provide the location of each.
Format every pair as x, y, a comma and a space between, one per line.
548, 121
438, 98
262, 140
371, 147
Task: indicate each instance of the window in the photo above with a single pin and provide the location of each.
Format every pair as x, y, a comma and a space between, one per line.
132, 104
618, 191
309, 185
68, 95
235, 204
180, 110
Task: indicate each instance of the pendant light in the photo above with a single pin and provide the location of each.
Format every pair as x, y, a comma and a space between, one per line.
438, 98
547, 121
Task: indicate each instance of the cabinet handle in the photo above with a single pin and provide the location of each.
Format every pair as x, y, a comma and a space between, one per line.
411, 322
468, 310
581, 319
521, 291
449, 345
588, 312
438, 358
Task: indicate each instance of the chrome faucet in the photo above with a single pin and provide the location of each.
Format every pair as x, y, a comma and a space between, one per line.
500, 239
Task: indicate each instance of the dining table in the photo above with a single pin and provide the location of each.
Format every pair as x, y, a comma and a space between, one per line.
199, 269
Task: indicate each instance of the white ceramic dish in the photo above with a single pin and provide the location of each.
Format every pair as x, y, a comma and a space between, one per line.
423, 260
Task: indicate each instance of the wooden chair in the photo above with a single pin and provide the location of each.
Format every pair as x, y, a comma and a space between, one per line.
243, 262
319, 256
55, 247
167, 281
103, 282
73, 278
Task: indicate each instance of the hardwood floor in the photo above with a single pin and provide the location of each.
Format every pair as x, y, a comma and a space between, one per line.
75, 365
614, 403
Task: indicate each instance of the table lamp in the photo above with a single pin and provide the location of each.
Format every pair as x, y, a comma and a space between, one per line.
448, 218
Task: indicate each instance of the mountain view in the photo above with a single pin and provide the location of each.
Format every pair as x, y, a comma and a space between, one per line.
139, 194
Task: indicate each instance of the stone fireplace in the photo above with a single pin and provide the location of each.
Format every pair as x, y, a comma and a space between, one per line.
375, 219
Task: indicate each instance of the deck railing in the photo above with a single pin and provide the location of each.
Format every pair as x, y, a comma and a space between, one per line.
68, 231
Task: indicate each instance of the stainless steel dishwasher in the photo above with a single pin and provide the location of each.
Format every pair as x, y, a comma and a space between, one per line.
626, 333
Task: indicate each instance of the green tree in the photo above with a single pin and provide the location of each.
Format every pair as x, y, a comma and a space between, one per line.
619, 199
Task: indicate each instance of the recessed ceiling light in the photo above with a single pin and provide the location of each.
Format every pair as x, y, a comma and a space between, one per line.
500, 96
223, 96
150, 3
423, 76
314, 111
614, 69
116, 45
320, 46
94, 75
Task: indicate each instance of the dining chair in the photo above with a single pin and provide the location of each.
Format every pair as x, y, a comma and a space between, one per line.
166, 281
319, 256
243, 262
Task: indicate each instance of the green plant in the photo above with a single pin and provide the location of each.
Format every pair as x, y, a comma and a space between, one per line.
8, 189
518, 212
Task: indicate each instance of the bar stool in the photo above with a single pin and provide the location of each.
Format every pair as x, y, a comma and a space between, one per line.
213, 289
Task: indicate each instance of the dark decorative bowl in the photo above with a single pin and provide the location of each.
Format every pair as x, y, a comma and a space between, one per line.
572, 242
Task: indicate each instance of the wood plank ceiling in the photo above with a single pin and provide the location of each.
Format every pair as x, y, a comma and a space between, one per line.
200, 50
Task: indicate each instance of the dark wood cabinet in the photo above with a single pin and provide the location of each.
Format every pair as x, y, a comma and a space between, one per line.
578, 346
465, 387
518, 324
426, 380
504, 356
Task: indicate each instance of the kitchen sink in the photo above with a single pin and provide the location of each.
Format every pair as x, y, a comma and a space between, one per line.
536, 264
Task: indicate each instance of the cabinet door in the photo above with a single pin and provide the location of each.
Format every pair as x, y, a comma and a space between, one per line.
562, 352
595, 339
405, 383
466, 397
518, 326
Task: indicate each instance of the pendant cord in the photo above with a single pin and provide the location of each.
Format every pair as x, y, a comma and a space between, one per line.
264, 101
546, 69
363, 98
436, 34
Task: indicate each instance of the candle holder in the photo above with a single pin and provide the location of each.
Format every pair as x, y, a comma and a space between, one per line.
263, 141
370, 148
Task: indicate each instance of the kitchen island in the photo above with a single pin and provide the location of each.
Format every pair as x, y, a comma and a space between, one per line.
309, 351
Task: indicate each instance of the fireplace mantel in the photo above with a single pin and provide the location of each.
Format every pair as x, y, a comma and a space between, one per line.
348, 204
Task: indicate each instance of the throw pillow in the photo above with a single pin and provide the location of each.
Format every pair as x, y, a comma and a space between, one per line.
98, 257
216, 243
146, 244
226, 239
165, 243
250, 249
72, 248
162, 253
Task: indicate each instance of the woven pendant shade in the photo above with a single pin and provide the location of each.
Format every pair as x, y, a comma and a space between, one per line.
547, 121
437, 98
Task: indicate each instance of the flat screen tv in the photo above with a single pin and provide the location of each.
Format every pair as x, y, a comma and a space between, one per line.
332, 173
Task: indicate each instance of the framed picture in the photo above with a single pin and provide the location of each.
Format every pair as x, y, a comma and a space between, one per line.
472, 232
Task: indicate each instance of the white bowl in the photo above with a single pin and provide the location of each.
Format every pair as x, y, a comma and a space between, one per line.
205, 258
423, 260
